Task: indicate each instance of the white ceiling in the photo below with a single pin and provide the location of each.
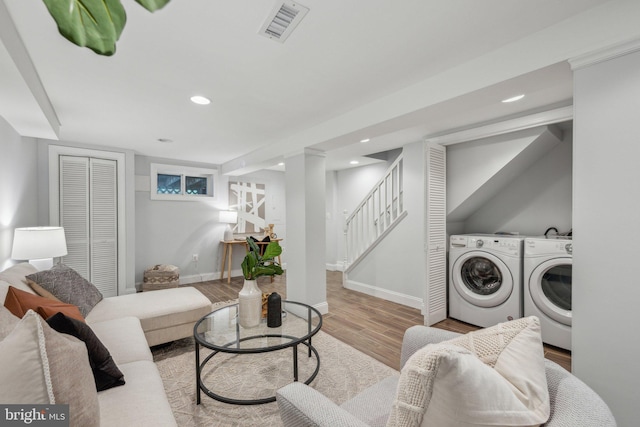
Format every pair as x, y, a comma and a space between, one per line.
352, 69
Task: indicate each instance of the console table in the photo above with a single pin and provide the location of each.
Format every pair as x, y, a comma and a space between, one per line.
228, 254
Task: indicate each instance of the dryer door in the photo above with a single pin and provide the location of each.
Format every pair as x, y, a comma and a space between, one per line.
482, 279
550, 289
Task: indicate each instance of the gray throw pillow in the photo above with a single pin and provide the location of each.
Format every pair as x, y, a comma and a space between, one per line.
68, 286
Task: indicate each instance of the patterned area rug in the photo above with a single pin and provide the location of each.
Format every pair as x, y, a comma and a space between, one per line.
344, 372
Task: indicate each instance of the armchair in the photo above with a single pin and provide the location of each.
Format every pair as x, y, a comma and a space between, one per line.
573, 403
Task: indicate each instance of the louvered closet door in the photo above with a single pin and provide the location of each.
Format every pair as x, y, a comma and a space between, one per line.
103, 225
88, 213
436, 234
74, 211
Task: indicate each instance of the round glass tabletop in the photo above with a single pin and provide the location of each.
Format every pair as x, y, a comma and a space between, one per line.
221, 331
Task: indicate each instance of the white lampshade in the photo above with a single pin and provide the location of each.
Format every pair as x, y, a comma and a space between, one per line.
229, 217
34, 243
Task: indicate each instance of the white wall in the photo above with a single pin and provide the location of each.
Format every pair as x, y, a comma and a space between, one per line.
606, 203
170, 232
18, 187
345, 190
395, 269
537, 199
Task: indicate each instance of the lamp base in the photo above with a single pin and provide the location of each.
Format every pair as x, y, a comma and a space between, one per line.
42, 264
228, 234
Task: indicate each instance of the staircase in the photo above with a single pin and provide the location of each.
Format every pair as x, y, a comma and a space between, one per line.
380, 211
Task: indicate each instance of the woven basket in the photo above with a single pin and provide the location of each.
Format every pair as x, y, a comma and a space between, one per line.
161, 276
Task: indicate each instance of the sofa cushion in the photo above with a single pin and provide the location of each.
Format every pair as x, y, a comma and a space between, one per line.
372, 405
41, 366
19, 302
68, 286
105, 371
157, 311
142, 402
124, 338
15, 276
494, 376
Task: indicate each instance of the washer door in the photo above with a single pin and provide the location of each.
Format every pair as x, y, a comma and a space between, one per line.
482, 279
550, 289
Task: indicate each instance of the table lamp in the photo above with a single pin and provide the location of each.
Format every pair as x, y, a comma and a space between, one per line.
39, 245
228, 217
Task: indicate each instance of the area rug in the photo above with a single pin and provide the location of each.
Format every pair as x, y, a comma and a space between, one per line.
344, 372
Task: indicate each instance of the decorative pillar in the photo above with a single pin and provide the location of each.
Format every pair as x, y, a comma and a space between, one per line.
306, 238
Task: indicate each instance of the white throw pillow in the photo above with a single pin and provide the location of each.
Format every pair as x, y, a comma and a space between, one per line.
24, 367
491, 377
41, 366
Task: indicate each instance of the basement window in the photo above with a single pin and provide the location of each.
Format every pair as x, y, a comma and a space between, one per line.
172, 182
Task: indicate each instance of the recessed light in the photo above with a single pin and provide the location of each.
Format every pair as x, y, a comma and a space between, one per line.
200, 100
365, 140
281, 164
354, 162
165, 140
513, 98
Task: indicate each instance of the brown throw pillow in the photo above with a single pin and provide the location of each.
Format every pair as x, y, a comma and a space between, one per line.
105, 371
68, 286
19, 302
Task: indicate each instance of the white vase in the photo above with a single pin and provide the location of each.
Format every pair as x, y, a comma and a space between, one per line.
250, 304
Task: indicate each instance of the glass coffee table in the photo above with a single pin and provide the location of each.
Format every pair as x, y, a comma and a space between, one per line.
221, 332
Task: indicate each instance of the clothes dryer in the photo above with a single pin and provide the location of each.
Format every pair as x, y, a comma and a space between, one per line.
485, 278
547, 267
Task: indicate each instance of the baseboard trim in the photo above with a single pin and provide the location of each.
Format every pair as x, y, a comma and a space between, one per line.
386, 294
335, 267
322, 307
203, 277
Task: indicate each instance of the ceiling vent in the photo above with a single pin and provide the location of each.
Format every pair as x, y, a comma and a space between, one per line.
282, 20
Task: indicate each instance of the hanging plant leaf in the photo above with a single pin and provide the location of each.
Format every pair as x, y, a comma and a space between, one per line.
153, 5
96, 24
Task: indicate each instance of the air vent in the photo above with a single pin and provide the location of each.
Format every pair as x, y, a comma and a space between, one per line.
282, 20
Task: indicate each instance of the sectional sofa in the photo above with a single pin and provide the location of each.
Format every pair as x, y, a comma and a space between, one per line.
127, 326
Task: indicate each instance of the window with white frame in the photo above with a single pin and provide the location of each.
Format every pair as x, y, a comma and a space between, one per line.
173, 182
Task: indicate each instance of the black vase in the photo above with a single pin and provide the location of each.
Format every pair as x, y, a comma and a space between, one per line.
274, 310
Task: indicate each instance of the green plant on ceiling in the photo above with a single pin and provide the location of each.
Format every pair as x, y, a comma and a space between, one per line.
255, 265
95, 24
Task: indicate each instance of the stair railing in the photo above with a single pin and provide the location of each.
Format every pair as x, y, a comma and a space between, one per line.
375, 216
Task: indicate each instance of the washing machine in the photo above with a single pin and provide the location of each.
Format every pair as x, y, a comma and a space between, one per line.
485, 278
547, 268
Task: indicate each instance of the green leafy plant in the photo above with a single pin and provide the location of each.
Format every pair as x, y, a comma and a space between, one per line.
255, 265
95, 24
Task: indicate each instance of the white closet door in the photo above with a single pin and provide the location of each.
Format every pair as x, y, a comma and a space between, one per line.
74, 211
436, 234
89, 215
103, 224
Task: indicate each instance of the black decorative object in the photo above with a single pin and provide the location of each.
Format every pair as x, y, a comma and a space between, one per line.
274, 310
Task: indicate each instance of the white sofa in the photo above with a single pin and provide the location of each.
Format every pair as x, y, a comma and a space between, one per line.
127, 325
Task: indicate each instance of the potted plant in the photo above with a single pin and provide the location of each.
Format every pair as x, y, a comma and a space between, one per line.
255, 265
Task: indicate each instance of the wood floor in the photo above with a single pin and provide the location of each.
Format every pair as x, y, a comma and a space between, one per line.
372, 325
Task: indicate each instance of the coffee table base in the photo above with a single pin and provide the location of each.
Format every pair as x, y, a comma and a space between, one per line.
201, 387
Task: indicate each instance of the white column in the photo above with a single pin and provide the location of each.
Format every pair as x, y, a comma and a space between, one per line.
306, 238
606, 184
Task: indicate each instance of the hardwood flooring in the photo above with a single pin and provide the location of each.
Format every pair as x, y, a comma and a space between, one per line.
372, 325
